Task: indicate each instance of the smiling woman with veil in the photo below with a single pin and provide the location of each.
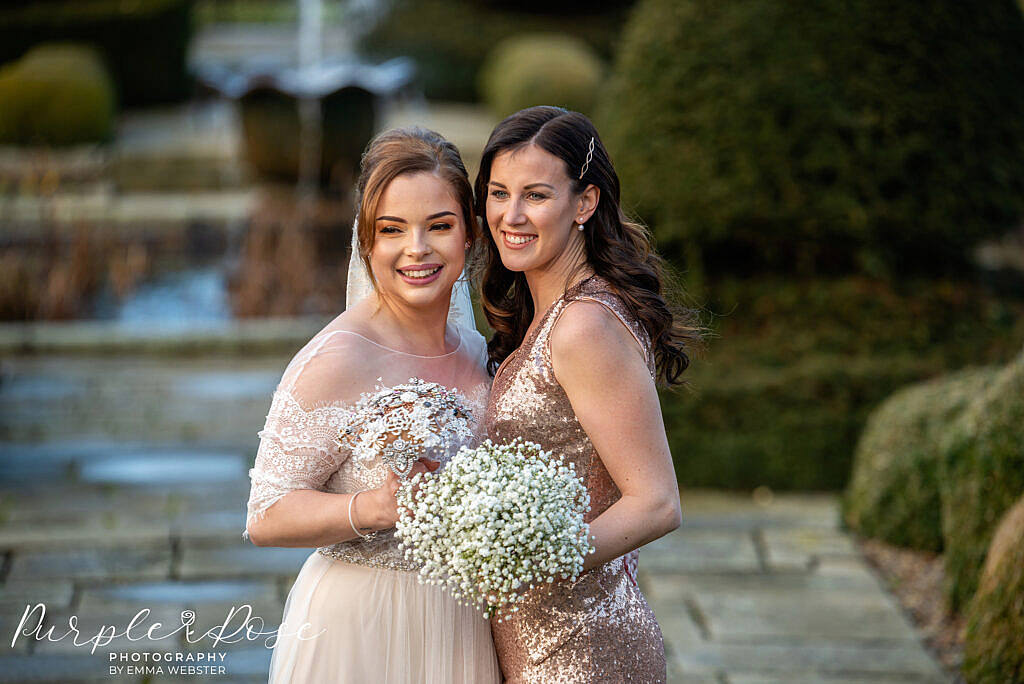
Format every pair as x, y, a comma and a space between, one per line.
332, 452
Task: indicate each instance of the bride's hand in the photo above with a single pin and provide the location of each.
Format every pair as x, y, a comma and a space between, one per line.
385, 505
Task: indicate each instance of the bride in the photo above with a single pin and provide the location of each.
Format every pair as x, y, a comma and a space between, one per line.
325, 473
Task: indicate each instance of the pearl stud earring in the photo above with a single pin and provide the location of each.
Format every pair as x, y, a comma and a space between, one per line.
580, 226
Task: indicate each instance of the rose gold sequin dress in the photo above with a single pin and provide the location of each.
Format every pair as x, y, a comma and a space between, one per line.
598, 628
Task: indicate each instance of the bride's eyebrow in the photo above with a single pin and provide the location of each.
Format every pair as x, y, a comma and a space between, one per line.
395, 219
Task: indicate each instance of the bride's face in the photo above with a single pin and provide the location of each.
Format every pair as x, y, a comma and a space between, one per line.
531, 210
419, 241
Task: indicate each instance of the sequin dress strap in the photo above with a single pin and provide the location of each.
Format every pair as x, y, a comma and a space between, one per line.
597, 289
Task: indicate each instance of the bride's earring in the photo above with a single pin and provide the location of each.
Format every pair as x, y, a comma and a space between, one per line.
580, 226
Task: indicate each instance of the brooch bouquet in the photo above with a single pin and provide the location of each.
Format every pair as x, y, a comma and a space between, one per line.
498, 518
404, 423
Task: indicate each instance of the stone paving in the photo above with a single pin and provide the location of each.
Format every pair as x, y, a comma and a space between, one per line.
122, 487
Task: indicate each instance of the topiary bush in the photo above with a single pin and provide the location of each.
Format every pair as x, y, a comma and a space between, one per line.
534, 69
894, 488
144, 42
982, 476
57, 94
820, 136
994, 644
448, 69
794, 368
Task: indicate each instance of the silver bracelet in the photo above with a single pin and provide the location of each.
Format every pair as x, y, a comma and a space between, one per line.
352, 523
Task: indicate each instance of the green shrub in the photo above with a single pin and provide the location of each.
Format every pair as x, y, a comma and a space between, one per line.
535, 69
144, 42
448, 67
56, 95
820, 137
982, 476
894, 488
795, 367
994, 646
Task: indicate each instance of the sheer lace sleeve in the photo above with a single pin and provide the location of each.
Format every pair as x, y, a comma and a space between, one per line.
297, 450
298, 443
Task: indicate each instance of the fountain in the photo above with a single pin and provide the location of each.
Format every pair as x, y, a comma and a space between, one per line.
305, 124
309, 122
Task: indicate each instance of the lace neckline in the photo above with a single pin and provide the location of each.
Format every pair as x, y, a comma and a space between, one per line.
458, 345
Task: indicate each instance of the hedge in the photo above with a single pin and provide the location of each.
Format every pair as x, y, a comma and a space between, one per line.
795, 367
57, 94
537, 69
819, 137
894, 488
994, 644
449, 62
982, 476
144, 42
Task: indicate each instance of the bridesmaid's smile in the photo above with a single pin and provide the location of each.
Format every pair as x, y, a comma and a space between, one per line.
531, 210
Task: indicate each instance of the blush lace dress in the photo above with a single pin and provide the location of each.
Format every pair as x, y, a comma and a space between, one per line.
375, 622
600, 627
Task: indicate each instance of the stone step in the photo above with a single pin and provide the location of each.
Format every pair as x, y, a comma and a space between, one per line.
139, 216
275, 336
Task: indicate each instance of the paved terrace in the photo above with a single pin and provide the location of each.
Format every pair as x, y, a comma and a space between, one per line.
123, 484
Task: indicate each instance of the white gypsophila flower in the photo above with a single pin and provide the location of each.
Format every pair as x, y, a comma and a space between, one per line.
497, 518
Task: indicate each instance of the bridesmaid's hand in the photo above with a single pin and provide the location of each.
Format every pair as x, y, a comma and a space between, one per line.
386, 507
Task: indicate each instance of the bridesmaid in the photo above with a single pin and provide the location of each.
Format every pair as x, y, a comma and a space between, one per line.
582, 334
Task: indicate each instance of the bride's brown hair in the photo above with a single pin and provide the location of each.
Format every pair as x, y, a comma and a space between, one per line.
400, 151
617, 248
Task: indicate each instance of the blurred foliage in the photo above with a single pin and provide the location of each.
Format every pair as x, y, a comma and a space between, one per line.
796, 366
463, 32
560, 8
293, 258
994, 644
62, 280
57, 94
255, 11
820, 137
264, 11
144, 42
982, 476
541, 69
894, 488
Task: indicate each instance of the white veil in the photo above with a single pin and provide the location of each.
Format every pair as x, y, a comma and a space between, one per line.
359, 287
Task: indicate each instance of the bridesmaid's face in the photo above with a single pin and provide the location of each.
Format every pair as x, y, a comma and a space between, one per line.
531, 210
419, 242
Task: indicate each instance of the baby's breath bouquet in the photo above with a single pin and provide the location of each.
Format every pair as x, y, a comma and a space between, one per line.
497, 518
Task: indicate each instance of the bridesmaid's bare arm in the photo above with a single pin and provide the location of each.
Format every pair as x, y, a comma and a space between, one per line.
602, 370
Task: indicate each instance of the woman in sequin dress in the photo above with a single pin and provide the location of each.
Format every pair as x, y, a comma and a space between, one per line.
582, 335
356, 612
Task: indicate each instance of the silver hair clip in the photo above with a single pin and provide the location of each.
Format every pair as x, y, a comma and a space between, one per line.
590, 155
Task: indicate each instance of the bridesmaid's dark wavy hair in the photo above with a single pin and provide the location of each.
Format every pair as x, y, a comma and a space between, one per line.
617, 248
